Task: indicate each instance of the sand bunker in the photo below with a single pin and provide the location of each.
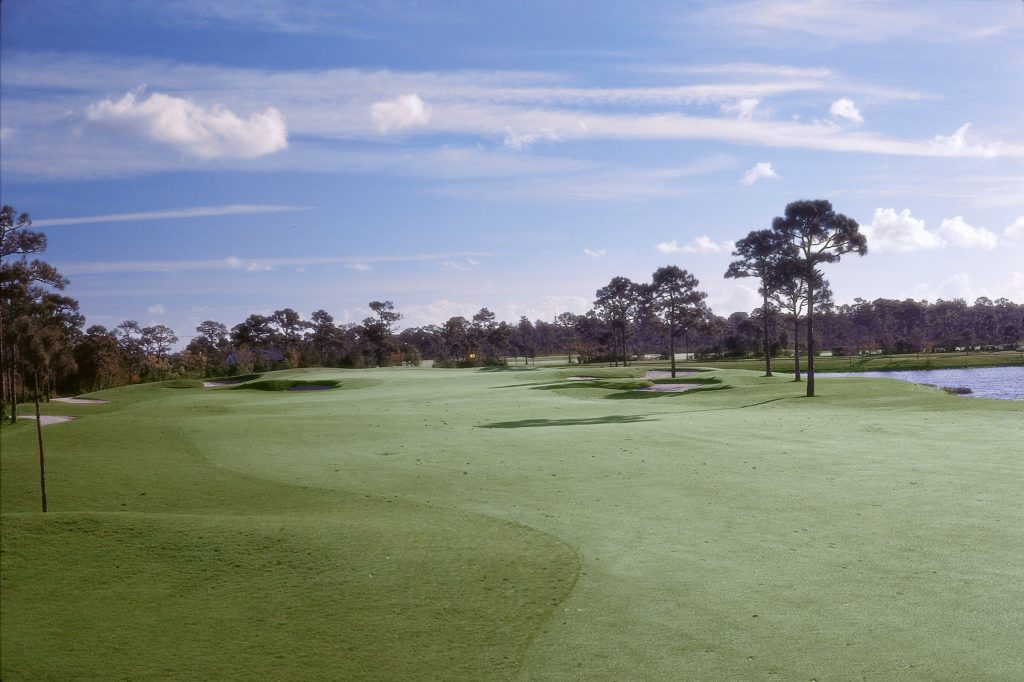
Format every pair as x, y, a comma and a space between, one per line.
582, 378
669, 388
660, 374
222, 383
48, 419
80, 401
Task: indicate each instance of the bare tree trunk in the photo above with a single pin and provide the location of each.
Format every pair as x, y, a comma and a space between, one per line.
672, 348
796, 349
767, 347
39, 434
12, 384
810, 340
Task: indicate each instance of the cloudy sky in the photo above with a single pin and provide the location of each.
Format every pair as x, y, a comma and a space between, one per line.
208, 159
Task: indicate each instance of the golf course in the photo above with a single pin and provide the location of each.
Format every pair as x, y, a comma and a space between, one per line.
530, 523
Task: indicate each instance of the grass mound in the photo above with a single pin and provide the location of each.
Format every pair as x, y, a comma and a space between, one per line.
292, 384
182, 383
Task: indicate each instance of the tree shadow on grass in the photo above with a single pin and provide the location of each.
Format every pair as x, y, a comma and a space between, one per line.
593, 421
553, 382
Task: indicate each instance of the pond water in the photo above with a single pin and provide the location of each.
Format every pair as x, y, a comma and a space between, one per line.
1006, 383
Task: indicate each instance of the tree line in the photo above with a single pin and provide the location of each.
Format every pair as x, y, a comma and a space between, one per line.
44, 345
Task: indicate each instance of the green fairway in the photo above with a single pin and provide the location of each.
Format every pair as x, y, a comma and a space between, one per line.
416, 523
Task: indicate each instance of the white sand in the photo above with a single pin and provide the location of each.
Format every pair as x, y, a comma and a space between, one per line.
659, 374
669, 388
80, 401
48, 419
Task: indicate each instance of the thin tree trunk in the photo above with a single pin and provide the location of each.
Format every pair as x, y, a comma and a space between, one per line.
796, 348
12, 384
767, 347
39, 434
3, 370
672, 348
810, 340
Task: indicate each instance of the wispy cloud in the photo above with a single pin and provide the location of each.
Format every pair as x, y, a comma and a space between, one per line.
702, 244
256, 264
866, 21
404, 111
193, 110
595, 253
173, 214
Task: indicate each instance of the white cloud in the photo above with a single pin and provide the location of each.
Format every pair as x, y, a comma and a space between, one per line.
957, 144
744, 109
206, 133
761, 170
404, 111
702, 244
1014, 232
959, 233
599, 253
359, 266
900, 232
157, 309
845, 109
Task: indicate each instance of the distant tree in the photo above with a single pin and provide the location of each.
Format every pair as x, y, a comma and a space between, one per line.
567, 322
677, 300
525, 338
323, 334
99, 360
759, 255
480, 336
616, 304
380, 329
454, 339
814, 234
130, 341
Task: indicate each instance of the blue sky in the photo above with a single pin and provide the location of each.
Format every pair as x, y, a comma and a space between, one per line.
208, 159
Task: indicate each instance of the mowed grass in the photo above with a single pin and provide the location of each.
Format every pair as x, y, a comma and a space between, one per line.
468, 524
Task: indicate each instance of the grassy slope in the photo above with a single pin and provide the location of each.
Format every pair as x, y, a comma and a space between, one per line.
874, 531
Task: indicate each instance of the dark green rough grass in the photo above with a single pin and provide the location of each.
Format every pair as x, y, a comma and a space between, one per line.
873, 532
